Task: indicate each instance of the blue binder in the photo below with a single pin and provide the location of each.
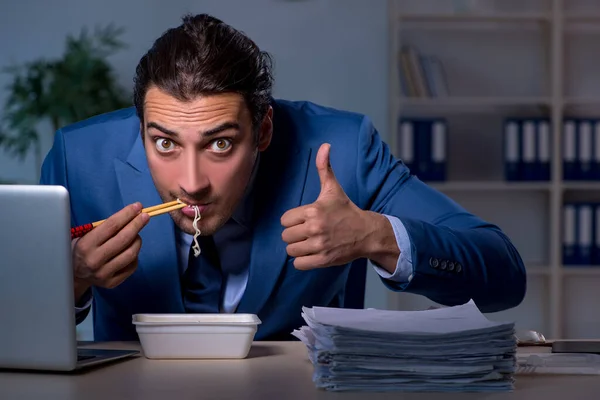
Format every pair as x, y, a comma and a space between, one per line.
596, 237
569, 151
595, 175
583, 165
423, 142
528, 146
512, 150
438, 150
544, 150
406, 148
569, 234
584, 233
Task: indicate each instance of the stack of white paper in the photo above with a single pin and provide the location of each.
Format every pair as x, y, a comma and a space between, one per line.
446, 349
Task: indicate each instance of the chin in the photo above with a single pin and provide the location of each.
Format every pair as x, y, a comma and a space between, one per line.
208, 226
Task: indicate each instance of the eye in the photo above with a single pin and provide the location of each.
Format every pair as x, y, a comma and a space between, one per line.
164, 145
220, 145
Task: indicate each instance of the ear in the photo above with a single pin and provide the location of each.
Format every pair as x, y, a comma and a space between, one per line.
266, 130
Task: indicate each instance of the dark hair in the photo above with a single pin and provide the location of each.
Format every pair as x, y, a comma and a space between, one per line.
206, 56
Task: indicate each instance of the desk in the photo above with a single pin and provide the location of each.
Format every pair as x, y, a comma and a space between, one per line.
278, 370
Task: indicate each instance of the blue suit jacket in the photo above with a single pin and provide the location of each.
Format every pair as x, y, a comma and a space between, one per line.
102, 163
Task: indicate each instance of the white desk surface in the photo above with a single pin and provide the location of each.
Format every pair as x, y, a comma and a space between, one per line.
278, 370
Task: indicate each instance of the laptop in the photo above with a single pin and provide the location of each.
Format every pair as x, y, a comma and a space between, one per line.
37, 317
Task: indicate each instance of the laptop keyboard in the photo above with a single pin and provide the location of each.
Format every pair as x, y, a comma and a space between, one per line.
85, 354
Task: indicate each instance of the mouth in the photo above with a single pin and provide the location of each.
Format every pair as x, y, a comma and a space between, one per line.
190, 211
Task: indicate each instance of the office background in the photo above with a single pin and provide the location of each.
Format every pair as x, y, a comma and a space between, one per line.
464, 74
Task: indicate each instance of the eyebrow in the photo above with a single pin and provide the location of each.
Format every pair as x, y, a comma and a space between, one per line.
211, 132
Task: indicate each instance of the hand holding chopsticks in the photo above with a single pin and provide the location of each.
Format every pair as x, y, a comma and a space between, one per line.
159, 209
106, 252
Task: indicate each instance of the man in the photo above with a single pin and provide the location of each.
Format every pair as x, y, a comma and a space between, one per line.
290, 195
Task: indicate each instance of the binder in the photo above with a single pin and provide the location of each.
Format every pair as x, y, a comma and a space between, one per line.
543, 171
528, 138
424, 145
584, 234
583, 166
512, 154
438, 133
596, 238
569, 235
406, 144
569, 150
596, 154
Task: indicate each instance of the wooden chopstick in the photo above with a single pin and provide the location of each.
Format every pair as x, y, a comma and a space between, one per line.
151, 211
160, 206
166, 209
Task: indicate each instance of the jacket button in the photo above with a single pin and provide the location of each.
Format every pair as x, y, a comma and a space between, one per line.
450, 266
433, 262
444, 264
458, 268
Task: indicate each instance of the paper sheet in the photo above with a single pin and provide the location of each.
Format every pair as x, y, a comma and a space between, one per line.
445, 349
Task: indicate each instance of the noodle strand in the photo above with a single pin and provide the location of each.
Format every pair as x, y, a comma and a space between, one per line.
197, 217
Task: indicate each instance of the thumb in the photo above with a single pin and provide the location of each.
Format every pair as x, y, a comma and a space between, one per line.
328, 181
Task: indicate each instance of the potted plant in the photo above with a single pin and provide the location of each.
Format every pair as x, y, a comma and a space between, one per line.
78, 85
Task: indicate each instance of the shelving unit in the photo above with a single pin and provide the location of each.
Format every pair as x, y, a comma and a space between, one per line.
506, 59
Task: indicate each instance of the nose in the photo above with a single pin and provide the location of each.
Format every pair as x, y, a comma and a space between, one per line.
194, 178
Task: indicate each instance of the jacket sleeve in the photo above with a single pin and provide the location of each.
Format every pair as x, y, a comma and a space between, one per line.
54, 167
54, 172
456, 256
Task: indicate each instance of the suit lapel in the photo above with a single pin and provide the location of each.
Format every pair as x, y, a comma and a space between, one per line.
279, 188
158, 261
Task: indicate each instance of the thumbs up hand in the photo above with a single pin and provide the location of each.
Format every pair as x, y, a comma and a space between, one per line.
330, 231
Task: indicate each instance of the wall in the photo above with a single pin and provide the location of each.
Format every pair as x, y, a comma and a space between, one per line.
332, 52
329, 51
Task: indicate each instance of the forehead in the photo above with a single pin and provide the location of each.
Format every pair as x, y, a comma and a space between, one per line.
202, 110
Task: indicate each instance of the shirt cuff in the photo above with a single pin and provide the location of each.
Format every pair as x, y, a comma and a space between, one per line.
84, 302
404, 267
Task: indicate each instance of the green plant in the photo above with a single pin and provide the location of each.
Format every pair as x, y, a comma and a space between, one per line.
78, 85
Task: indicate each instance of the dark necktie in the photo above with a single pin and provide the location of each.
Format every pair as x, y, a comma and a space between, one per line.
202, 281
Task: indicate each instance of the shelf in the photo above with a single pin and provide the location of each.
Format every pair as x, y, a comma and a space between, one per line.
497, 17
582, 18
474, 101
538, 271
590, 270
555, 79
584, 186
488, 185
582, 101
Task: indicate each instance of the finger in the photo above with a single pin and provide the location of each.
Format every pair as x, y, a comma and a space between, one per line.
326, 175
124, 238
122, 275
295, 216
310, 262
114, 224
303, 248
121, 261
296, 233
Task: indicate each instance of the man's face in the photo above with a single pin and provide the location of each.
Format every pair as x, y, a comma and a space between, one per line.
202, 152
